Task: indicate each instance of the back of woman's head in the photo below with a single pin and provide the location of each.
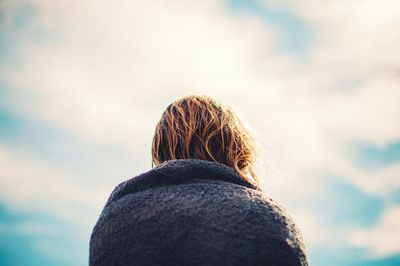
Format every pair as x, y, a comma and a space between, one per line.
200, 127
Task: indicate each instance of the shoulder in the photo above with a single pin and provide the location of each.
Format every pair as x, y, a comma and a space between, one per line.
212, 215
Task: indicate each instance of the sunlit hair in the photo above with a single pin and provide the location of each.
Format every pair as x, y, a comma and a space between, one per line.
200, 127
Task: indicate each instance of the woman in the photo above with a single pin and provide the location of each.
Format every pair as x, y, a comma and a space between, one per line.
201, 203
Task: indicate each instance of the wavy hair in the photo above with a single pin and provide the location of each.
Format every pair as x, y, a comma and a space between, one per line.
200, 127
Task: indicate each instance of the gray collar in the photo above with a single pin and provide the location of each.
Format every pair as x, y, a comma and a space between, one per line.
179, 171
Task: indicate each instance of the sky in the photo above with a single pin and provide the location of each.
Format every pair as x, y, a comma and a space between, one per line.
83, 84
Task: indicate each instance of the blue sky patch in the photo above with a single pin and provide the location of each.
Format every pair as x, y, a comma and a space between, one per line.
344, 205
22, 16
372, 157
63, 150
19, 246
295, 33
349, 257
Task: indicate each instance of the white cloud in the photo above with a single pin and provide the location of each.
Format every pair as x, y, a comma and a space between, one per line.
353, 39
28, 183
115, 75
314, 232
347, 90
382, 240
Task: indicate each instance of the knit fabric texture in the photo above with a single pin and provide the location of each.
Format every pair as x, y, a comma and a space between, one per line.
194, 212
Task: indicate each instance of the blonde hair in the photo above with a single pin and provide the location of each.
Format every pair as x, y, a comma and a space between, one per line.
200, 127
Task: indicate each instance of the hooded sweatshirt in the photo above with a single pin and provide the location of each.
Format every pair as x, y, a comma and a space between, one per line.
194, 212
